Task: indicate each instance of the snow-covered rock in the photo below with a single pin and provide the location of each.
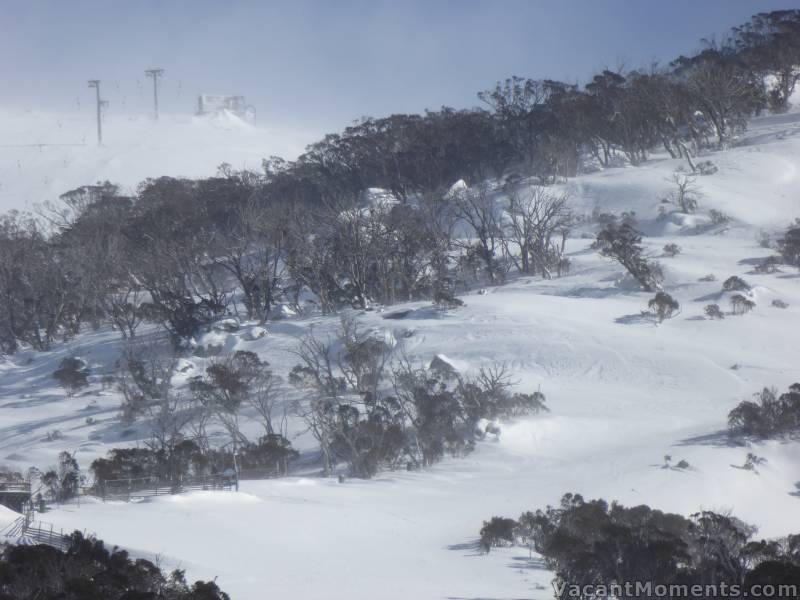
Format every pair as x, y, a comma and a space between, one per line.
255, 333
443, 365
229, 325
282, 311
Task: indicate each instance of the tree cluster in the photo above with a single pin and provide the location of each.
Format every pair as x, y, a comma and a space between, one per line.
87, 570
372, 410
62, 482
600, 544
768, 414
232, 387
269, 455
184, 252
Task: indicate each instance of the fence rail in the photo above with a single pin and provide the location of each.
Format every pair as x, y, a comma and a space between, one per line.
26, 531
126, 489
46, 533
16, 486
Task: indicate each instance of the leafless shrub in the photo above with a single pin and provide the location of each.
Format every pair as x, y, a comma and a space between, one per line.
686, 192
718, 217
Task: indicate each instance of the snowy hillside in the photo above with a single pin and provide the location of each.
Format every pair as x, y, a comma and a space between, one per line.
622, 391
43, 155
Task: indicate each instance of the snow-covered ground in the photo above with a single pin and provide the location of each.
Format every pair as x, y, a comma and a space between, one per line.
622, 392
43, 155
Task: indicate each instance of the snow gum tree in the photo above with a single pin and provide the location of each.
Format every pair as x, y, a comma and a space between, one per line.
622, 244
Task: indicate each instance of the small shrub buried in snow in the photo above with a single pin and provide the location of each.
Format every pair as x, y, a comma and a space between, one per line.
768, 266
752, 461
735, 284
72, 375
682, 464
672, 250
706, 167
107, 381
208, 351
718, 217
445, 300
708, 278
713, 311
226, 325
763, 239
741, 305
54, 435
663, 306
686, 193
778, 303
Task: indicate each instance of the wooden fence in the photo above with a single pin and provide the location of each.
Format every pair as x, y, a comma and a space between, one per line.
37, 532
126, 489
24, 530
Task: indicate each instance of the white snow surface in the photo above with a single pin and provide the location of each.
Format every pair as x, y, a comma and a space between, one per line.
622, 392
43, 155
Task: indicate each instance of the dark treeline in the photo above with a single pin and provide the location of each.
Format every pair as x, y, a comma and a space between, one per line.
604, 546
88, 570
184, 252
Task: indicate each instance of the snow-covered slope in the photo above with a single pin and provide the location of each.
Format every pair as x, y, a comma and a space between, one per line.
622, 393
43, 155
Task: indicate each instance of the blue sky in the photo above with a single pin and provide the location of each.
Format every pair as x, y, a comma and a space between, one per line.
323, 64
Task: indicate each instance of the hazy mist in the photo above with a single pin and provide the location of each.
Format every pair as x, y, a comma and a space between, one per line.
319, 65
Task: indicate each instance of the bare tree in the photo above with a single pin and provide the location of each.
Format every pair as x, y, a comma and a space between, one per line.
478, 209
252, 249
264, 397
345, 409
169, 418
145, 377
315, 373
226, 386
364, 358
535, 216
686, 192
725, 93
